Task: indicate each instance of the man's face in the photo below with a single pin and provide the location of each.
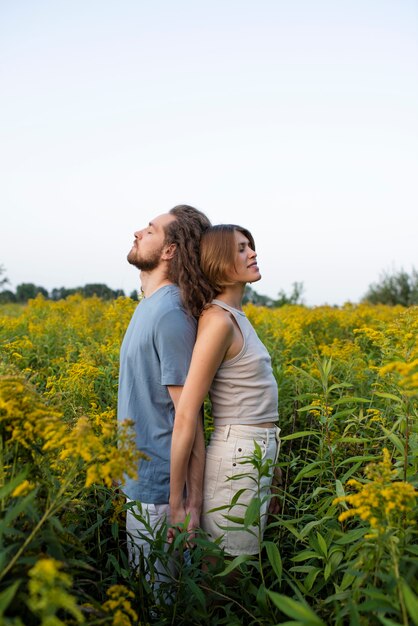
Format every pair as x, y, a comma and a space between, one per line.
149, 245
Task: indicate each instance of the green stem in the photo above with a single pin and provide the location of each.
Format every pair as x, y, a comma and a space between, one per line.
405, 620
53, 508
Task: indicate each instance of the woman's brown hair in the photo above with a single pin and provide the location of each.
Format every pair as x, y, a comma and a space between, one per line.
217, 253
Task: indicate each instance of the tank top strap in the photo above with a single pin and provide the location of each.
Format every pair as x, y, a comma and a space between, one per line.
229, 308
240, 319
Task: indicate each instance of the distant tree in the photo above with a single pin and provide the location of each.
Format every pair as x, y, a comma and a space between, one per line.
255, 298
258, 299
134, 295
101, 291
62, 292
5, 280
27, 291
397, 287
293, 298
7, 296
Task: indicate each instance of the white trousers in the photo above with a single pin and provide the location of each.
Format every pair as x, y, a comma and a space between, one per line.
232, 482
143, 521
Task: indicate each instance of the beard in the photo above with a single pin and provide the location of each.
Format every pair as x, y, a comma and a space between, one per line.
142, 263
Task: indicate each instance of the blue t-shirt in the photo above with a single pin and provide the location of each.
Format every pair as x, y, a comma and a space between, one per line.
155, 352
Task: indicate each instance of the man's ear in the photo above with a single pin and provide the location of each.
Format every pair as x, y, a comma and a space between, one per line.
169, 252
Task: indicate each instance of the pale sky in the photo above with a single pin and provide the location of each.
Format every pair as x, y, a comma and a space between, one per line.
297, 119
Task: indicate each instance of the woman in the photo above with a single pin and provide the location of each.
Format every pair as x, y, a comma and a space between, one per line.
231, 363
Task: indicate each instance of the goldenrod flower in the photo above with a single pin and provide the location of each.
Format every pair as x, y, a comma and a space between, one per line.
382, 501
24, 488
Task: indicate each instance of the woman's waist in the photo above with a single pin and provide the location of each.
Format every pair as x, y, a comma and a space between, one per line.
251, 421
246, 431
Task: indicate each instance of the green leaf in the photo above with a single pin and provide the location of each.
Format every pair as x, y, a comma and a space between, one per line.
350, 399
305, 555
311, 469
327, 570
411, 601
196, 592
308, 527
7, 596
351, 535
387, 622
237, 496
339, 489
274, 558
322, 544
340, 386
296, 610
353, 440
242, 558
395, 440
19, 507
10, 486
304, 433
389, 396
252, 514
311, 577
354, 459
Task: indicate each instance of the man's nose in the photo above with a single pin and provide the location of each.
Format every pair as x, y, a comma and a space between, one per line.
138, 234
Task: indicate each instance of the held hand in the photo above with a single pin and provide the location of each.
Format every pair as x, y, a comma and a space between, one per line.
193, 514
177, 519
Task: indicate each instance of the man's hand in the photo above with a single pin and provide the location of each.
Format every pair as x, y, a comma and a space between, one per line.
178, 517
193, 514
184, 518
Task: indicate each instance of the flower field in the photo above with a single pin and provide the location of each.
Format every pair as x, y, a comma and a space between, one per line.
344, 548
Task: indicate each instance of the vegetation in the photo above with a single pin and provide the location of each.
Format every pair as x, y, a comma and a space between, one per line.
251, 296
343, 550
397, 287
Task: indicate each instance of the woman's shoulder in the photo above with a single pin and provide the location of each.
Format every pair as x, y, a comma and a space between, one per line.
215, 317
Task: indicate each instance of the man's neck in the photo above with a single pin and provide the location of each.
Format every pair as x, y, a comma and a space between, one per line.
152, 281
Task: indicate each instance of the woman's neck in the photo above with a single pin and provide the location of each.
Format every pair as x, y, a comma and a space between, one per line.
233, 295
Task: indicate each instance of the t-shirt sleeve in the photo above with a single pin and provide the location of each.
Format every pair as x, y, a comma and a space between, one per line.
175, 338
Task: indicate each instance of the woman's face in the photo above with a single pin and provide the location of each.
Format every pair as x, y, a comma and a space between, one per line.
246, 268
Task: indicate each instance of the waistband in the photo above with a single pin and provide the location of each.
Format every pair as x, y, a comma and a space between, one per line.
246, 431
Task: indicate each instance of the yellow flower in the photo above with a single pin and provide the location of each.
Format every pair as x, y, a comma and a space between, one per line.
24, 488
381, 501
119, 605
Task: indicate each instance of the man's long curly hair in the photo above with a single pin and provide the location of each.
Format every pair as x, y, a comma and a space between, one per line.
184, 269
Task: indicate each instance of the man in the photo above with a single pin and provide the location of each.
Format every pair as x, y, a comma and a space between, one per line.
154, 362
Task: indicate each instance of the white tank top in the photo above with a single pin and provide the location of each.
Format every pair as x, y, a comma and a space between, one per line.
244, 390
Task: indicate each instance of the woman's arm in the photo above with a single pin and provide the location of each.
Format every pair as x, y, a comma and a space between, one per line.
195, 472
215, 335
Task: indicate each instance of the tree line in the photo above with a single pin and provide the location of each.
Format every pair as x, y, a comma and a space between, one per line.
392, 288
28, 291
